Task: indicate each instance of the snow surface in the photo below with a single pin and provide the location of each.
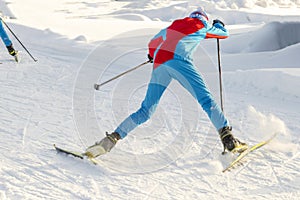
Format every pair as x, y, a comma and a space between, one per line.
176, 154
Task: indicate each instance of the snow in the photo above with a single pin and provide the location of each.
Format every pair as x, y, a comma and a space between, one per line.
176, 154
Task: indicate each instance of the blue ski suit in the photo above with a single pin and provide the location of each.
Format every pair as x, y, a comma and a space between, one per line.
172, 49
4, 35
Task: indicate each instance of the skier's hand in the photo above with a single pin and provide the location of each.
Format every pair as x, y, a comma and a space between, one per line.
150, 58
217, 21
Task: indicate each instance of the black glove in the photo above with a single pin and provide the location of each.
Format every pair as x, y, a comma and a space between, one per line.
150, 58
218, 21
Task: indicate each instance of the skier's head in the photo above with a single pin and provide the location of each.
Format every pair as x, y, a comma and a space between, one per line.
199, 13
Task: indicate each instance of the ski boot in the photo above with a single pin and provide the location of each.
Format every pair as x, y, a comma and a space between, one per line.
13, 52
104, 146
230, 143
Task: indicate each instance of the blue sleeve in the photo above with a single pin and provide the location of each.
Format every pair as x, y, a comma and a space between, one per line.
217, 31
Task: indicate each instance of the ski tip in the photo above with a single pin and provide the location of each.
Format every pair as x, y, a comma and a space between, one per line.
16, 56
55, 147
17, 59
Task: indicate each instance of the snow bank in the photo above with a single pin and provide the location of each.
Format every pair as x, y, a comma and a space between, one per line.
274, 36
132, 16
158, 11
230, 11
5, 11
269, 38
233, 4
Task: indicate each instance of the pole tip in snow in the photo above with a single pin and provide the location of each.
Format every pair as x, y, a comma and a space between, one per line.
96, 86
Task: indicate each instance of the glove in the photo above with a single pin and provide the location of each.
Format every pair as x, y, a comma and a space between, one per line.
216, 21
150, 58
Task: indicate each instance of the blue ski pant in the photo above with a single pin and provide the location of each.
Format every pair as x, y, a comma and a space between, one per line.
188, 76
4, 35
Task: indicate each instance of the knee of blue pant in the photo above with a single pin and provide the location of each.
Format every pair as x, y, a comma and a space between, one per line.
206, 102
143, 114
135, 119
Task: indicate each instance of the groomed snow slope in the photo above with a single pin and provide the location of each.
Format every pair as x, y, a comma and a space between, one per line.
176, 155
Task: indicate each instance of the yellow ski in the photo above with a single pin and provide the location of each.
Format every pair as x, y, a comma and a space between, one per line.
246, 152
75, 154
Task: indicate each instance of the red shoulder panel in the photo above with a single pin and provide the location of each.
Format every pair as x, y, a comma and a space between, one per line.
178, 29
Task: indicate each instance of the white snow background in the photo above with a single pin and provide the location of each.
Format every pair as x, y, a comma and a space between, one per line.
176, 154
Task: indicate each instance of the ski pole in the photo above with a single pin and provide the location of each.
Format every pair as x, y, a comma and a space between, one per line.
220, 74
18, 40
97, 86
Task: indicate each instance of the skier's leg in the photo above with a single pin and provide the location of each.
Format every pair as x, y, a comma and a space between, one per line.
187, 75
159, 81
4, 35
191, 79
7, 41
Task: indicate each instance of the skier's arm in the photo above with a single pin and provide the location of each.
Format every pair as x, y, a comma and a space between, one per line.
156, 41
217, 31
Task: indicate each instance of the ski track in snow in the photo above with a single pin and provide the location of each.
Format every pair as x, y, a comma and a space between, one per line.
261, 97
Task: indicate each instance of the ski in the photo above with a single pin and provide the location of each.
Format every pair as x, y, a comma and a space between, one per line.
242, 155
75, 154
17, 58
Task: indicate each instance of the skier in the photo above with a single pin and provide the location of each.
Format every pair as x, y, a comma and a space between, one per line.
7, 42
171, 53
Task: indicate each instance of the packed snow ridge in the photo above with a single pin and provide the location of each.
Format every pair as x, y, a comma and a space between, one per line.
274, 36
233, 4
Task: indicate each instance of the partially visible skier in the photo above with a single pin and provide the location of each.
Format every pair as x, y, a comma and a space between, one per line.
171, 52
7, 42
